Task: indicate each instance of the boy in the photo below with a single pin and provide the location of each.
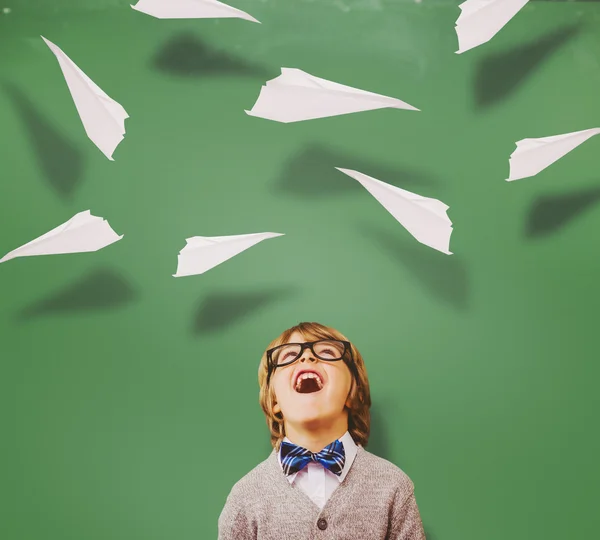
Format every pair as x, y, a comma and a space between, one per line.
319, 482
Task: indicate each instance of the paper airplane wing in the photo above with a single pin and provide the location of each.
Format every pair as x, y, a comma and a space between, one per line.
82, 233
201, 253
423, 217
481, 20
190, 9
102, 117
297, 77
534, 155
295, 96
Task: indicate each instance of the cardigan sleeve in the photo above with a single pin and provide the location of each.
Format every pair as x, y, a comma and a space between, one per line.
234, 522
406, 520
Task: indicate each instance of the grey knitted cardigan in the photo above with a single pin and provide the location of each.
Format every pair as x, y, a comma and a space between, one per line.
374, 502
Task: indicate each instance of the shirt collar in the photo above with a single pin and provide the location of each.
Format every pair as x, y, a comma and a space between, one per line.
350, 449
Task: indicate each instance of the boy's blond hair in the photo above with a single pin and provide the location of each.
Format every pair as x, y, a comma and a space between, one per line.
359, 417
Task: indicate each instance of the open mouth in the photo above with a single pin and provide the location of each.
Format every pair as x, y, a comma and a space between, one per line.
308, 382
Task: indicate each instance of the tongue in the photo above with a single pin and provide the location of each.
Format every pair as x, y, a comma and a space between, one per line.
308, 385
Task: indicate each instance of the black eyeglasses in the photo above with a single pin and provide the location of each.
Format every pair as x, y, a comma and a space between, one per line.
329, 350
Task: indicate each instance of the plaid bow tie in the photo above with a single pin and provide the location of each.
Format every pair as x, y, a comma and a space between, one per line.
294, 458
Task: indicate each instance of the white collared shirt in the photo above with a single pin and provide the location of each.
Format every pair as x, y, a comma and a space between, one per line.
317, 481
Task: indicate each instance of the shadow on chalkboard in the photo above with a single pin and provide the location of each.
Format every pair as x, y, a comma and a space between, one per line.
444, 276
187, 55
311, 172
499, 74
219, 311
378, 439
60, 160
102, 289
383, 419
551, 213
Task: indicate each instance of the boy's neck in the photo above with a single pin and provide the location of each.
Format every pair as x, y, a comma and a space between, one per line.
315, 439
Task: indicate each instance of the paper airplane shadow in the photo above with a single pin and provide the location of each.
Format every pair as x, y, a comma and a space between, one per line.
60, 160
102, 289
218, 311
312, 173
445, 277
499, 74
551, 213
186, 55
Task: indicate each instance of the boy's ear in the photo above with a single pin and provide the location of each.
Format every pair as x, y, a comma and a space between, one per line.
276, 408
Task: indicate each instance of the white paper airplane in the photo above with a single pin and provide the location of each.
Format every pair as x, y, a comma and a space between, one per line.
102, 117
534, 155
82, 233
425, 218
201, 253
295, 95
481, 20
190, 9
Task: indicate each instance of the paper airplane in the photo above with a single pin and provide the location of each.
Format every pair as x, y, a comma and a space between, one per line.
481, 20
295, 95
534, 155
201, 253
102, 117
190, 9
425, 218
82, 233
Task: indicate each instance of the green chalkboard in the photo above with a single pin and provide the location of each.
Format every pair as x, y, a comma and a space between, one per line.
122, 387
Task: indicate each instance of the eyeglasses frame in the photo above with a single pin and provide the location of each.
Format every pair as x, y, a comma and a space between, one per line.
310, 345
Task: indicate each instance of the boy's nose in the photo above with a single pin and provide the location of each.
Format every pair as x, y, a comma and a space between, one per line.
307, 355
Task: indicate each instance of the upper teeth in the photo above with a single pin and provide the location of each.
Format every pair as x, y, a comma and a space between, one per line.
308, 375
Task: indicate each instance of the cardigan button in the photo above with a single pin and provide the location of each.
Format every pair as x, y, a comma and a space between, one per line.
322, 524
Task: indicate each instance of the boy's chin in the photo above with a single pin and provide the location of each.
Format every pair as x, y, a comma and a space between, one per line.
313, 416
312, 422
